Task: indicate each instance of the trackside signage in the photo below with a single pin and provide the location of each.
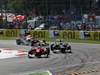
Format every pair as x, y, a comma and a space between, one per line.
39, 34
11, 32
70, 34
65, 34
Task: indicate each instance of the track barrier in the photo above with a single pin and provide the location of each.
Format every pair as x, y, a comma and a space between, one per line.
65, 34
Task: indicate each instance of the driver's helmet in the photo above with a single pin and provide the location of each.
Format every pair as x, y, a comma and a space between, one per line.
43, 41
61, 41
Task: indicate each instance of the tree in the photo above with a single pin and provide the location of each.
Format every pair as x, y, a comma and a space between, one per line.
44, 7
24, 6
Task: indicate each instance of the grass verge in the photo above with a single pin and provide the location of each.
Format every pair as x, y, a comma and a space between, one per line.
52, 40
75, 41
39, 73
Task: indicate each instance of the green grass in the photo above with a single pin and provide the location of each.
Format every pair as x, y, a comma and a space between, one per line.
76, 41
84, 41
52, 40
38, 73
7, 38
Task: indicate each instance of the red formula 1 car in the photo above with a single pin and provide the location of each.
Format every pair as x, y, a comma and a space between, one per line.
38, 52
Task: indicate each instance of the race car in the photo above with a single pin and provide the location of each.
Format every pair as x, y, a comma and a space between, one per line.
23, 40
39, 43
60, 47
38, 52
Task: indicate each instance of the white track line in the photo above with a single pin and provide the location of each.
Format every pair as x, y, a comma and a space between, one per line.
49, 72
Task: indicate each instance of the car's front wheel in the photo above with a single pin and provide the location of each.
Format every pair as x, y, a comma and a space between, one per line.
18, 42
30, 54
52, 48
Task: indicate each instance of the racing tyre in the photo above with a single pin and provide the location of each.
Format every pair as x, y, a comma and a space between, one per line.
29, 56
52, 47
70, 51
54, 51
48, 52
18, 42
30, 53
69, 48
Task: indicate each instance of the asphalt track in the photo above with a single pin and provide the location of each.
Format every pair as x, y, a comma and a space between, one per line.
84, 57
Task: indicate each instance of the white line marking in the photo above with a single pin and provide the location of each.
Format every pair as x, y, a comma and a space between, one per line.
49, 72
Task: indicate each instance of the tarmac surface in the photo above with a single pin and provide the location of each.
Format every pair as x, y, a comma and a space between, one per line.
85, 57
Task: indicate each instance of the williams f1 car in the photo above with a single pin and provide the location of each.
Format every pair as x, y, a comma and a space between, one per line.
38, 52
61, 47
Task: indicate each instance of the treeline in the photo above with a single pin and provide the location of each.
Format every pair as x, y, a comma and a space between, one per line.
45, 7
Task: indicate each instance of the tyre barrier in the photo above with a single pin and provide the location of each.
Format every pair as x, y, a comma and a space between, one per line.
83, 72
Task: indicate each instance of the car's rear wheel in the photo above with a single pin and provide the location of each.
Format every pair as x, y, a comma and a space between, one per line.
52, 48
54, 51
69, 49
18, 42
48, 53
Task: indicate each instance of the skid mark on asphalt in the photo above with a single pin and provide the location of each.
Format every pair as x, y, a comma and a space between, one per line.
82, 58
83, 63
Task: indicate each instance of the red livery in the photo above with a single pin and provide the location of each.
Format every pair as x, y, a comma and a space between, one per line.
38, 52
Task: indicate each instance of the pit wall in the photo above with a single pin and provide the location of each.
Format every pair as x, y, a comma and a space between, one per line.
63, 34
